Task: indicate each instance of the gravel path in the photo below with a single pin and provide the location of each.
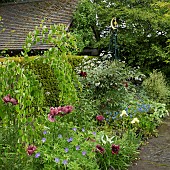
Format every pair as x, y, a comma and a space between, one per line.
156, 154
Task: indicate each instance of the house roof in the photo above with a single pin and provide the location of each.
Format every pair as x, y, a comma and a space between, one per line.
18, 19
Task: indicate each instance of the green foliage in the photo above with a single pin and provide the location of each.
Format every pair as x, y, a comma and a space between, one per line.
156, 87
18, 121
64, 141
143, 29
106, 80
84, 23
62, 44
45, 75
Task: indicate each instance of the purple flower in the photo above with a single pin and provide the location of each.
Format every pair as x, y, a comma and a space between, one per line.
83, 130
65, 162
43, 140
74, 129
44, 132
60, 136
70, 140
37, 155
66, 150
77, 147
84, 153
57, 160
94, 133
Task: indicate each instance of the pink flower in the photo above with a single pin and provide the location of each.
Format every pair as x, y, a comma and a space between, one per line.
14, 101
100, 149
7, 98
66, 110
100, 118
115, 149
54, 111
51, 118
31, 149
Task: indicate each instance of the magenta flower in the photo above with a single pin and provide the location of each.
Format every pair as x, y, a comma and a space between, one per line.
115, 149
7, 98
57, 112
100, 118
51, 118
100, 149
14, 101
67, 109
31, 149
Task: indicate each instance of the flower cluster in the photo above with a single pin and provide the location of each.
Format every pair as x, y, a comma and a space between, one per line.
8, 99
114, 149
83, 74
59, 111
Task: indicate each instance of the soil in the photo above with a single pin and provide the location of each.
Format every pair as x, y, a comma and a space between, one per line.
156, 154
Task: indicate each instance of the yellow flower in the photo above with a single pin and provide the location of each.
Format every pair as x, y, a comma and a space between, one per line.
135, 120
123, 113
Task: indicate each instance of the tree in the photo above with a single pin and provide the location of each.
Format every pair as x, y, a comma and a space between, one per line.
143, 28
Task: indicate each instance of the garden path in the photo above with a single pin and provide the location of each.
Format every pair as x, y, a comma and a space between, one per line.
156, 154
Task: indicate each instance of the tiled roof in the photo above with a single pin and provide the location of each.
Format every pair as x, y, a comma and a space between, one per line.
21, 18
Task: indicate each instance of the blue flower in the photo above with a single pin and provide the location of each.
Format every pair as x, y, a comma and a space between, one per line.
83, 130
70, 140
66, 150
43, 140
65, 162
77, 147
37, 155
94, 133
59, 136
84, 153
74, 129
57, 160
44, 132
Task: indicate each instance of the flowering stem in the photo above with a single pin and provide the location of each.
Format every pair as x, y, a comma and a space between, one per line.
54, 132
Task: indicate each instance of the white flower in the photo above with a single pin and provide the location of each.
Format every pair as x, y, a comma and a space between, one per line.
47, 93
123, 113
135, 120
97, 84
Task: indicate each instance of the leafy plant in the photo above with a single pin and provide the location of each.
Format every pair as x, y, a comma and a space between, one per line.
156, 87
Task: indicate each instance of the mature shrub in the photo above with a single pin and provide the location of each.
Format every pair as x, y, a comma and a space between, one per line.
156, 87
